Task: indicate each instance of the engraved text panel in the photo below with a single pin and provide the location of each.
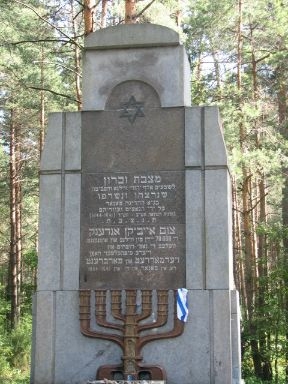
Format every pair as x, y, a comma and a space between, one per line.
133, 230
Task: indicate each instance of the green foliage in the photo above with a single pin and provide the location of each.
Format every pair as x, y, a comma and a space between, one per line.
254, 380
15, 347
30, 258
20, 340
244, 74
162, 13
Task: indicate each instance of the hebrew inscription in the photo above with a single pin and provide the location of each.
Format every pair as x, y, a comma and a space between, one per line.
132, 230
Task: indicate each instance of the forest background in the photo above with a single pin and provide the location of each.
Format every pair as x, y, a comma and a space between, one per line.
238, 52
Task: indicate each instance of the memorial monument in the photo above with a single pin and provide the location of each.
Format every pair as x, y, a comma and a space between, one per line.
135, 203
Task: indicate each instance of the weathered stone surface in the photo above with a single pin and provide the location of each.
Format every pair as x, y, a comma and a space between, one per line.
144, 96
50, 229
44, 358
72, 136
105, 70
218, 226
126, 382
154, 141
155, 48
195, 257
137, 35
51, 158
193, 137
71, 246
235, 335
77, 357
215, 151
187, 358
220, 341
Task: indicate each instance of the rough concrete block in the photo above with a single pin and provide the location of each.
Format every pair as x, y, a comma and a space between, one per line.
215, 151
106, 69
194, 230
235, 306
235, 337
193, 152
77, 357
218, 230
186, 79
221, 335
51, 158
186, 359
50, 229
45, 339
198, 334
73, 141
72, 232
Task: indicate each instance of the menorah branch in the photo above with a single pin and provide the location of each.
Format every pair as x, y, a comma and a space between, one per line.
137, 306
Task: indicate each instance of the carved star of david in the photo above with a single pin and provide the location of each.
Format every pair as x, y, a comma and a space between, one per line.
132, 109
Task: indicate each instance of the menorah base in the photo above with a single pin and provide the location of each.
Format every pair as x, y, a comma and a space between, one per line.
144, 372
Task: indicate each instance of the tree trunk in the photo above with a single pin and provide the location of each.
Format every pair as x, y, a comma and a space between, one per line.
178, 14
237, 243
217, 71
283, 118
77, 57
89, 6
239, 46
247, 214
104, 14
42, 105
15, 257
130, 11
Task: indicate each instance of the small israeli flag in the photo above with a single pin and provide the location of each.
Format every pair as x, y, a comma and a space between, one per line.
182, 304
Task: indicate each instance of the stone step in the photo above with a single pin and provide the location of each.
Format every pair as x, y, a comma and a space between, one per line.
126, 382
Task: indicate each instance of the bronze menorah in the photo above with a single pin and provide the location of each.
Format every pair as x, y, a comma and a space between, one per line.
132, 330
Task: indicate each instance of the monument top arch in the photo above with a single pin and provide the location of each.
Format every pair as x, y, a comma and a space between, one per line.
149, 53
132, 35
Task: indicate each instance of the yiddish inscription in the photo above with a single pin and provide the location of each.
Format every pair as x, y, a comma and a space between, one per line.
132, 230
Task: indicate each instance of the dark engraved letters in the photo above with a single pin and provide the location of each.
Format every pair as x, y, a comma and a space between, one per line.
133, 229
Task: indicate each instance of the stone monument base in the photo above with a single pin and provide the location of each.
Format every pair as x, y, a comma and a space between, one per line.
127, 382
135, 194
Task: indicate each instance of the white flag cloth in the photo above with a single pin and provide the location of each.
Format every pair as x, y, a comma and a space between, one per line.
182, 304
